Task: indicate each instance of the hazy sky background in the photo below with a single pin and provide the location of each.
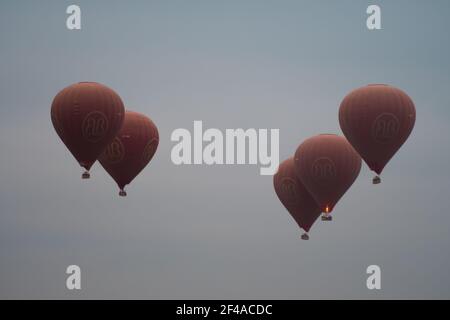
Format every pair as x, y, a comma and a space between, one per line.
220, 231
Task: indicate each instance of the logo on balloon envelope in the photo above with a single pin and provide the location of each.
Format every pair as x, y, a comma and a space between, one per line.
289, 190
94, 126
115, 152
149, 150
323, 170
385, 127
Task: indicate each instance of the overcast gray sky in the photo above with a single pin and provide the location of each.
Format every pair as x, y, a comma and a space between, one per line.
220, 231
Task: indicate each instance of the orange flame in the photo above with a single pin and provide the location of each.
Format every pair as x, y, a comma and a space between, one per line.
327, 209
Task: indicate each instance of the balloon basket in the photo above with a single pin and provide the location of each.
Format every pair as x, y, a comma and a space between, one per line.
376, 180
85, 175
122, 193
327, 218
305, 236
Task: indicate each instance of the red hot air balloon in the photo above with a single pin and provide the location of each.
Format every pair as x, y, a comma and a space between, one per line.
131, 150
87, 116
377, 119
327, 165
295, 198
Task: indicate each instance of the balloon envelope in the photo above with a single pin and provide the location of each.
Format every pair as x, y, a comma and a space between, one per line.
131, 150
377, 119
294, 196
87, 116
327, 165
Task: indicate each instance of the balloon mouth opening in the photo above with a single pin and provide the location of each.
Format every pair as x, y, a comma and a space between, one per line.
86, 165
85, 175
376, 167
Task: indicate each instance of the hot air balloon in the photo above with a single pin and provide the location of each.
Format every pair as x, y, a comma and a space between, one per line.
377, 119
295, 198
327, 165
87, 116
131, 150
